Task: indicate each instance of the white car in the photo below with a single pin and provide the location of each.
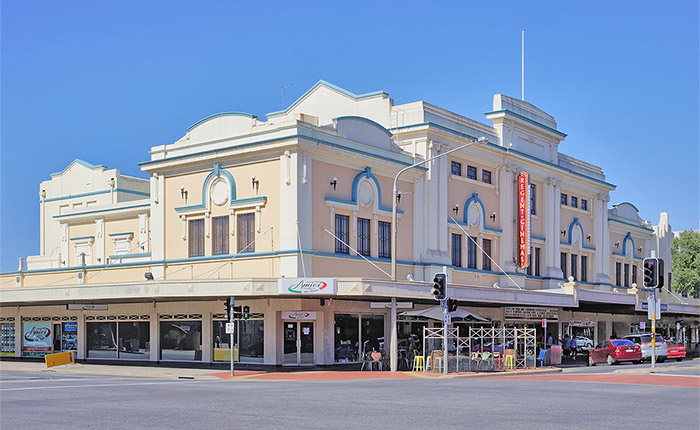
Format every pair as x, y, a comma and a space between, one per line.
583, 343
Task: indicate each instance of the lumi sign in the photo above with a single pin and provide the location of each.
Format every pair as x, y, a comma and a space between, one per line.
307, 286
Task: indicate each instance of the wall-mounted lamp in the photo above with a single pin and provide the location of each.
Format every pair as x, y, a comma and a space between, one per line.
563, 233
183, 192
148, 276
409, 277
493, 216
588, 237
334, 182
256, 183
617, 244
639, 249
322, 302
398, 197
495, 285
456, 209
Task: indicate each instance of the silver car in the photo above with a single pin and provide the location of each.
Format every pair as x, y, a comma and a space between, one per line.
644, 340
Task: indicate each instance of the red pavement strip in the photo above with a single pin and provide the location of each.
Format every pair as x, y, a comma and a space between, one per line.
642, 379
324, 375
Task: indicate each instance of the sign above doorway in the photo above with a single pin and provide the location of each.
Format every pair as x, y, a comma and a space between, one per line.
307, 286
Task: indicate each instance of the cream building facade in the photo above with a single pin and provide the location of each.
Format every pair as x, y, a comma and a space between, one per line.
138, 269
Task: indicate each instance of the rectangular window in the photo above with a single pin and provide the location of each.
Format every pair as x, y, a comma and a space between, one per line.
574, 266
574, 202
485, 176
363, 236
584, 268
564, 198
627, 275
618, 275
196, 237
471, 172
584, 204
486, 259
341, 233
533, 199
563, 265
471, 253
537, 262
634, 274
220, 235
384, 239
457, 250
246, 232
529, 266
456, 168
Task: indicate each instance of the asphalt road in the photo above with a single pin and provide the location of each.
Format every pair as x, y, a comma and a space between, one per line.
61, 401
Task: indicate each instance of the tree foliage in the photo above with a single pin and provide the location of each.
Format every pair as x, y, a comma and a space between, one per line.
685, 265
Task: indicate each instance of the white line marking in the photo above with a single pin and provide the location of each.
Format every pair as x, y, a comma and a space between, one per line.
95, 385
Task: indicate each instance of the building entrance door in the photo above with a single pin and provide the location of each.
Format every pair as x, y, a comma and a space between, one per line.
298, 343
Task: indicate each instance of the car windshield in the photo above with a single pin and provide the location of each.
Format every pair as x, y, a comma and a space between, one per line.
647, 338
622, 342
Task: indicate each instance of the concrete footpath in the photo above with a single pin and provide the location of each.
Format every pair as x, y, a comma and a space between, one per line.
209, 374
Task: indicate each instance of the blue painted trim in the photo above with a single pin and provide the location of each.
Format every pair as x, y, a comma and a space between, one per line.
573, 224
628, 237
148, 205
121, 234
367, 120
292, 137
523, 118
514, 151
143, 254
474, 199
82, 237
79, 161
543, 239
630, 224
329, 85
352, 203
94, 193
218, 171
496, 230
217, 115
356, 182
466, 269
261, 199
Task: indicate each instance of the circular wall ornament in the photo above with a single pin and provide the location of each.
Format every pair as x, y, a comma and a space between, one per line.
219, 193
365, 193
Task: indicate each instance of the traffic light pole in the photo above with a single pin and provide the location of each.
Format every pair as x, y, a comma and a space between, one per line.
444, 333
653, 329
230, 342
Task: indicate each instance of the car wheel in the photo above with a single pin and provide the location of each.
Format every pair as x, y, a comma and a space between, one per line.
679, 359
611, 361
590, 361
637, 362
661, 359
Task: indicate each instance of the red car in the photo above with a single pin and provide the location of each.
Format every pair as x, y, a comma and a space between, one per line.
613, 351
675, 351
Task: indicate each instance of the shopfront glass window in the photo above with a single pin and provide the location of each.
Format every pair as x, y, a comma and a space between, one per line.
7, 339
101, 339
373, 333
134, 340
347, 338
181, 340
248, 340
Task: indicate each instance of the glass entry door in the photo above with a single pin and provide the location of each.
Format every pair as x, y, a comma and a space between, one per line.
298, 342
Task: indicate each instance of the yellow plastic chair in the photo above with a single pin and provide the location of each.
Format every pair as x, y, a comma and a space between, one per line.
417, 363
510, 361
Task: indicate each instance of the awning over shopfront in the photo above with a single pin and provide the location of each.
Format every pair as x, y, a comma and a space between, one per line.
436, 313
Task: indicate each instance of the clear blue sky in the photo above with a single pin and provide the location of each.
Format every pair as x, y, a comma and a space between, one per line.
105, 81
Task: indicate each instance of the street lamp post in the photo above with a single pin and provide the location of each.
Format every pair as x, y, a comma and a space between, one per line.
394, 353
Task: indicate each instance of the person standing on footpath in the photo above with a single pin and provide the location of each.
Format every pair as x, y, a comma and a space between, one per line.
573, 348
566, 346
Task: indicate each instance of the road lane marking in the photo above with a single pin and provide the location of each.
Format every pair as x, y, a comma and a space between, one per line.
96, 385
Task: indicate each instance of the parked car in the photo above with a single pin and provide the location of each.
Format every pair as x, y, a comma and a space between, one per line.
583, 342
675, 350
644, 340
614, 351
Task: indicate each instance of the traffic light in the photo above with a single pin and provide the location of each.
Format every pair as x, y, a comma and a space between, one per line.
236, 312
660, 272
246, 312
451, 305
228, 308
651, 273
439, 286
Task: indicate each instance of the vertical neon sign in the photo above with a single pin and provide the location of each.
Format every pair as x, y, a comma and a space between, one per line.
523, 220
